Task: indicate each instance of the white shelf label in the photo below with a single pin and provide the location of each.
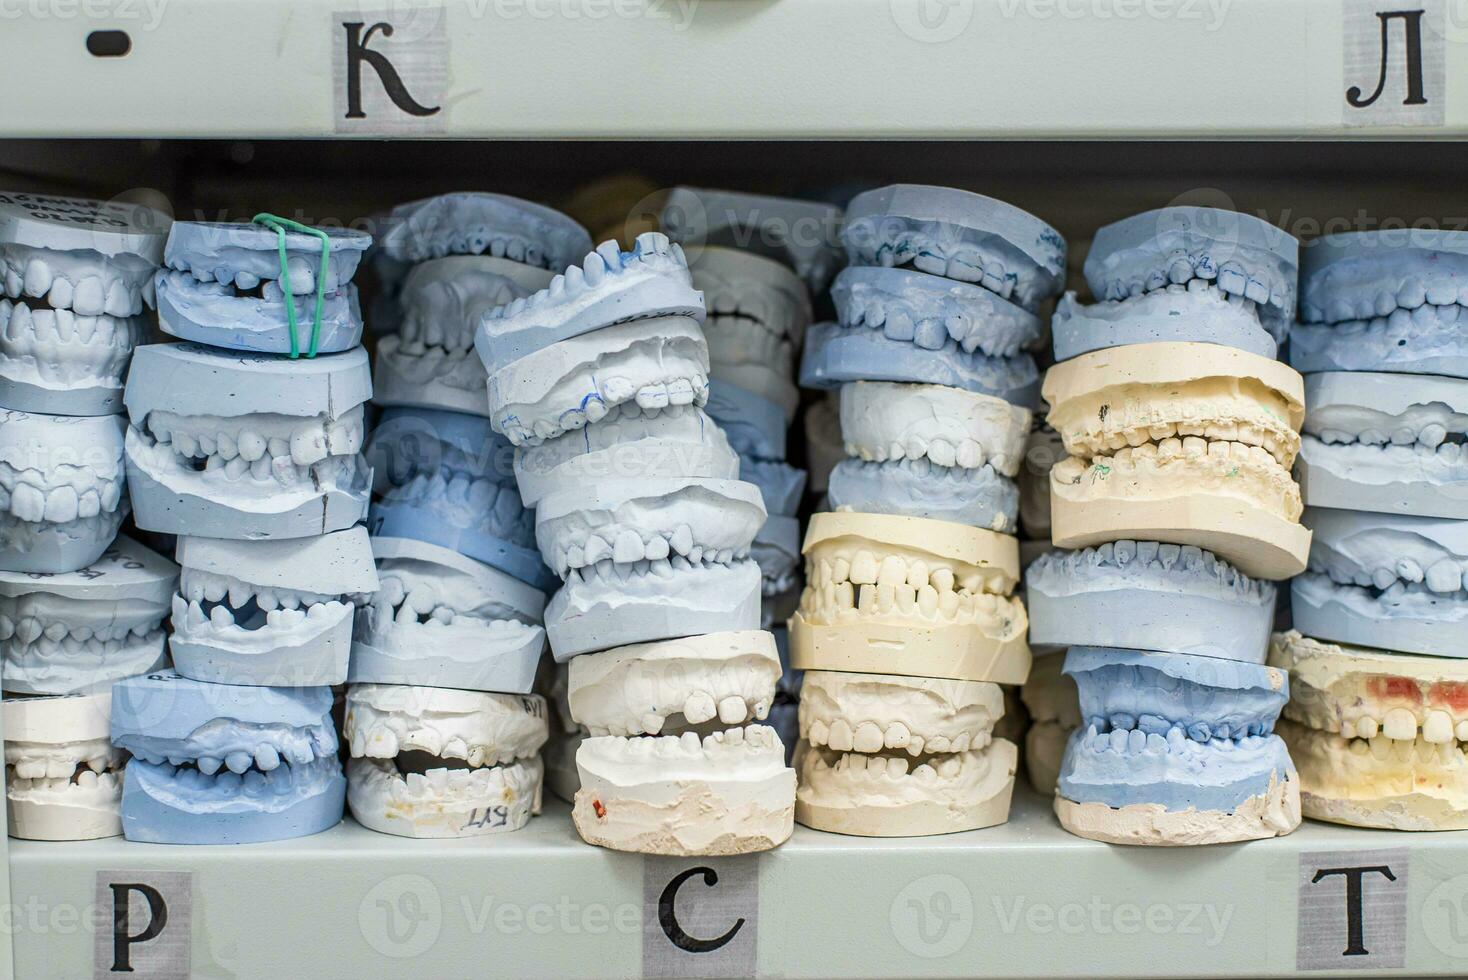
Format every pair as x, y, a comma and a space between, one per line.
1394, 62
700, 916
390, 70
1352, 910
151, 918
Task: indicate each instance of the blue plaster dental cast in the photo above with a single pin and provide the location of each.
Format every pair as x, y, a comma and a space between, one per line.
1393, 300
271, 613
1165, 597
475, 223
1176, 750
802, 235
755, 426
780, 484
920, 488
62, 490
223, 763
649, 560
621, 327
77, 632
1237, 271
224, 285
441, 619
776, 550
1389, 581
74, 276
1391, 443
448, 480
957, 234
246, 446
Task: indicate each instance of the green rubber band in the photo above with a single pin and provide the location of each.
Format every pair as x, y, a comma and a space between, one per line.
279, 225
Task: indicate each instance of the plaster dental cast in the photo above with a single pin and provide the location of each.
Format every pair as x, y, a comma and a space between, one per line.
907, 624
648, 559
1177, 495
1379, 613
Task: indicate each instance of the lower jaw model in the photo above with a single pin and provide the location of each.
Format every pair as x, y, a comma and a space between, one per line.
62, 493
1176, 750
63, 778
60, 361
431, 762
78, 632
661, 773
223, 763
1379, 737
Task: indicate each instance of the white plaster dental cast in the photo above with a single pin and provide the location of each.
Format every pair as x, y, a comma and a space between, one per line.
887, 594
1143, 594
1177, 750
959, 235
77, 632
884, 422
271, 613
1043, 450
824, 447
620, 327
757, 314
224, 286
1392, 443
1393, 300
1184, 274
1050, 697
74, 275
643, 688
891, 756
440, 619
447, 478
629, 443
802, 235
430, 361
225, 764
1379, 738
566, 736
1183, 443
428, 762
727, 793
62, 493
246, 446
63, 778
648, 560
1385, 580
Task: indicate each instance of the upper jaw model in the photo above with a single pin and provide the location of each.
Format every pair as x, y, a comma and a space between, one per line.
224, 286
442, 619
620, 327
1190, 443
429, 762
706, 791
1184, 274
80, 631
1378, 737
1393, 300
269, 613
649, 559
894, 756
63, 778
284, 462
225, 764
61, 490
1391, 443
929, 597
74, 275
473, 223
1385, 580
1176, 750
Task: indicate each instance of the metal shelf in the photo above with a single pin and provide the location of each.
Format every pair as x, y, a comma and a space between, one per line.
1024, 899
728, 69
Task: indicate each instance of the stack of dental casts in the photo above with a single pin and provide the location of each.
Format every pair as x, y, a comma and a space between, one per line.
599, 381
1377, 724
442, 726
908, 624
1178, 505
245, 442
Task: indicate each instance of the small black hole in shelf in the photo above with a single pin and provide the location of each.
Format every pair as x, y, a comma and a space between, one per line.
109, 44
